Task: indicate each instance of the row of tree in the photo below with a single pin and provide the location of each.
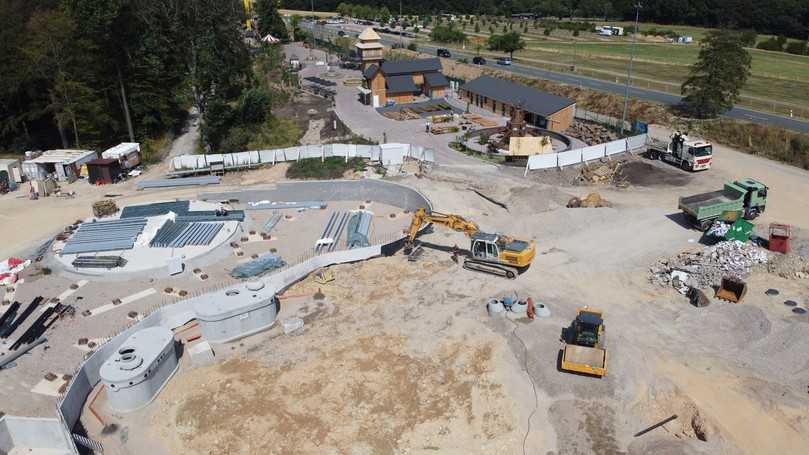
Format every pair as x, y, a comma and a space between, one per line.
787, 17
84, 73
368, 12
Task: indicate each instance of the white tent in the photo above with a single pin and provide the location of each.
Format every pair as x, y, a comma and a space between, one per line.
269, 39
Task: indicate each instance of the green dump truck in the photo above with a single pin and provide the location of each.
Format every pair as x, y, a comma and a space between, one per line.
746, 198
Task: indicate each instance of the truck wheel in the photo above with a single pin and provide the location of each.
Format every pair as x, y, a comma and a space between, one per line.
654, 155
752, 214
684, 165
705, 224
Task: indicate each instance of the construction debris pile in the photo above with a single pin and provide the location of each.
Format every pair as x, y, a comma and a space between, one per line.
106, 207
705, 268
602, 172
591, 133
593, 200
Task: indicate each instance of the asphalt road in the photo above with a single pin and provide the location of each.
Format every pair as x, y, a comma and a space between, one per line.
611, 87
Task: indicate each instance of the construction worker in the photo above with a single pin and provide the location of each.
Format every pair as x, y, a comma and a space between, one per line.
530, 310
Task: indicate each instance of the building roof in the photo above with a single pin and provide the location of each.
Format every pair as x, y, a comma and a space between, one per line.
370, 71
6, 162
369, 35
424, 65
62, 156
400, 84
102, 162
122, 149
532, 100
436, 80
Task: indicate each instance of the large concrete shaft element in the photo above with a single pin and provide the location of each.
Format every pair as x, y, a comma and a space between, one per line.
139, 368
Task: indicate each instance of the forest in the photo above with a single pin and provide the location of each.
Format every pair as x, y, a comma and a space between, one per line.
91, 73
777, 17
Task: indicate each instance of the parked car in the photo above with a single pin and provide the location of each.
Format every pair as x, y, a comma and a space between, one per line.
341, 33
443, 53
479, 60
504, 61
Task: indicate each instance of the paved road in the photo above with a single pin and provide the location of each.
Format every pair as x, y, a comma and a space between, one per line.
651, 95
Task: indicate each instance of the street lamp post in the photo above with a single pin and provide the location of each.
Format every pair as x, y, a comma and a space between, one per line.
638, 6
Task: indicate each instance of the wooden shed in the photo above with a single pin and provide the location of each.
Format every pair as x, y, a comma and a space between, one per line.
103, 171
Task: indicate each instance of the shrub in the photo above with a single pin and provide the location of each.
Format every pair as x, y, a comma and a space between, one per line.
547, 31
329, 169
412, 46
796, 47
771, 44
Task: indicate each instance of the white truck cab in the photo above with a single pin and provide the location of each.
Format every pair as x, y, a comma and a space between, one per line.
690, 155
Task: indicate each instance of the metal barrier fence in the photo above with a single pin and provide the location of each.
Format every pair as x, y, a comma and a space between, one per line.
387, 154
583, 155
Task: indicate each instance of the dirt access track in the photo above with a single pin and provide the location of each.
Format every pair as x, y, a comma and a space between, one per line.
402, 358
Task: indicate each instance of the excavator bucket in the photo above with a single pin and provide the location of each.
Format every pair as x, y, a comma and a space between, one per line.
732, 290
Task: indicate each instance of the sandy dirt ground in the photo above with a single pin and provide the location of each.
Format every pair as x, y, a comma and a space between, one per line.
403, 358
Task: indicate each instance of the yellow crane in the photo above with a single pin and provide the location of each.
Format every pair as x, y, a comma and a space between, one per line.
491, 253
248, 13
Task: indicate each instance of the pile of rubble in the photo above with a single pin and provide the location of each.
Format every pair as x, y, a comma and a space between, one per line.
591, 133
705, 268
603, 172
789, 266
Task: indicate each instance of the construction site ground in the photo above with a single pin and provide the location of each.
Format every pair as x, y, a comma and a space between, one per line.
402, 357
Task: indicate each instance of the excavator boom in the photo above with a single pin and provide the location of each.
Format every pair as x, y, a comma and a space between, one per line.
491, 253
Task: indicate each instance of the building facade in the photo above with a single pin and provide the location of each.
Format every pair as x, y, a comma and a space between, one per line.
502, 97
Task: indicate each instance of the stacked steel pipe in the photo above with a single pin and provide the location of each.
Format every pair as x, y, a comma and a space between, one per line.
10, 328
42, 324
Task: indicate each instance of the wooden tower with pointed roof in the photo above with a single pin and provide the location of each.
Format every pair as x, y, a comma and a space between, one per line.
369, 48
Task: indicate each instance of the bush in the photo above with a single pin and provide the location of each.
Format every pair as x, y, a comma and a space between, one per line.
771, 44
796, 47
575, 33
547, 31
254, 106
329, 169
236, 140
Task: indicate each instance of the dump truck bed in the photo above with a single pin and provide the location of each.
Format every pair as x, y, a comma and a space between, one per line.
711, 205
585, 360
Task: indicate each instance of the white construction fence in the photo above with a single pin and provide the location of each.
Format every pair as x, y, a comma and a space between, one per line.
583, 155
387, 154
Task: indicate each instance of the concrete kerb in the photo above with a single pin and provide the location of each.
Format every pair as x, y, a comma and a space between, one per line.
86, 377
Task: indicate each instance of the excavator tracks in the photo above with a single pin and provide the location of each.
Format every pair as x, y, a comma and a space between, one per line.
492, 268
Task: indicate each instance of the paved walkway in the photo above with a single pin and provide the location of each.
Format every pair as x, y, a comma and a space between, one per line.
365, 121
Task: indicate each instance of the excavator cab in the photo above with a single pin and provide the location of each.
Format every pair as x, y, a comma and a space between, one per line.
484, 246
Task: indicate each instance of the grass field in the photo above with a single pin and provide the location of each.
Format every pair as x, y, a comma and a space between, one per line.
302, 13
779, 82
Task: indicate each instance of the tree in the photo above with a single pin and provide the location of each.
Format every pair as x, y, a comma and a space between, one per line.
508, 42
384, 15
55, 53
270, 21
447, 34
720, 72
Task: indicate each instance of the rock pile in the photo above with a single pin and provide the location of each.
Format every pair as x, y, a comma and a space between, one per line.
707, 267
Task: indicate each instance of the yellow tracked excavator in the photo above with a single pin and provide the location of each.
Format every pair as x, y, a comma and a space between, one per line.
491, 253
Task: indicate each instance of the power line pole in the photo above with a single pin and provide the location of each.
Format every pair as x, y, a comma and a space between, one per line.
638, 6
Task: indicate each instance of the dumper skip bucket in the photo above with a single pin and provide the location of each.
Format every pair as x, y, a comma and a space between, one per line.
732, 290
